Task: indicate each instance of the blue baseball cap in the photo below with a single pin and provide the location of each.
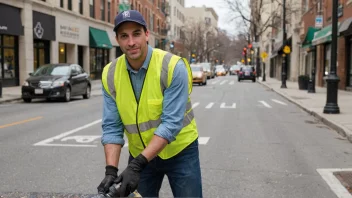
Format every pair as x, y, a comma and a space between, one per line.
131, 16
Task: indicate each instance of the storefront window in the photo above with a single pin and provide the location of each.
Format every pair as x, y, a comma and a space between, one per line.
62, 53
92, 62
9, 41
41, 55
9, 63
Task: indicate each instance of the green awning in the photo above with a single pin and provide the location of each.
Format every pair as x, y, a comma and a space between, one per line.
99, 38
307, 43
324, 35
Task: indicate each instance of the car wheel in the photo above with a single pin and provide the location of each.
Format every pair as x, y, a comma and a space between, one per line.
67, 97
205, 82
239, 80
253, 80
27, 100
88, 92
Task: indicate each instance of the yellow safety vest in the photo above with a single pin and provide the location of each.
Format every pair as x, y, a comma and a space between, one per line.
140, 119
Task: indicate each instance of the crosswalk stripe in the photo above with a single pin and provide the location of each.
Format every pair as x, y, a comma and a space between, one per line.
265, 104
223, 106
232, 82
209, 105
213, 83
223, 82
195, 105
278, 101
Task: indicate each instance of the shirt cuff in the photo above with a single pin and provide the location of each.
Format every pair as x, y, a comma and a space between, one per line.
165, 133
108, 139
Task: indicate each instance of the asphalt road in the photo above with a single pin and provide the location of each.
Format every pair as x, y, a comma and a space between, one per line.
254, 143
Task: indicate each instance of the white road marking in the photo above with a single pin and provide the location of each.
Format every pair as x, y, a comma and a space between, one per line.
223, 106
62, 135
209, 105
278, 101
214, 82
334, 183
223, 82
232, 82
265, 104
195, 105
203, 140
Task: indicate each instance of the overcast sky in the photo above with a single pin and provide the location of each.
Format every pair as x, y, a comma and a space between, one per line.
221, 11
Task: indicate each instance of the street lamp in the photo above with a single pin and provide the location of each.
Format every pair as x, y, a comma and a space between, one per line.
284, 58
332, 80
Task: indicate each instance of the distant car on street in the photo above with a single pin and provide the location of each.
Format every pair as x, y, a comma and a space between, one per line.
199, 75
247, 73
234, 69
57, 81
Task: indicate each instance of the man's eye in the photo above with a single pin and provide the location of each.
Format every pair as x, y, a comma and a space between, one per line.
123, 36
137, 34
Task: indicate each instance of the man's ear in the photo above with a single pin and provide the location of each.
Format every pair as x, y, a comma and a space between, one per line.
147, 35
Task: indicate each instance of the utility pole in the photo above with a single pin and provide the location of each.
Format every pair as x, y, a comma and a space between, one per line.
332, 80
284, 57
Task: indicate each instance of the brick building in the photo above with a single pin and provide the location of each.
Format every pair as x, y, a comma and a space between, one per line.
154, 12
316, 41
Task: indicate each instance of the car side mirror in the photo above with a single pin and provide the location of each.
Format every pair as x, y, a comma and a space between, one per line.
31, 74
74, 74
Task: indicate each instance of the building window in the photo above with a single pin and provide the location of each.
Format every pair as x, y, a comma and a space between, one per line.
109, 10
80, 5
174, 11
151, 21
62, 3
91, 8
69, 4
102, 9
62, 53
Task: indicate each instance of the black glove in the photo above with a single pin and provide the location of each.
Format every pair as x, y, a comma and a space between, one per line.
110, 176
129, 178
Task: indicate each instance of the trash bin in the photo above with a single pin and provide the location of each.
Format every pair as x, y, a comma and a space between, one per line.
0, 88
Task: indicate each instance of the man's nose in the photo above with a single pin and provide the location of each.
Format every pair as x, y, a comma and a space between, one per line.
131, 41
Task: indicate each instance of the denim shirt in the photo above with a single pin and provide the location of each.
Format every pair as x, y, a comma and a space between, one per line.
174, 105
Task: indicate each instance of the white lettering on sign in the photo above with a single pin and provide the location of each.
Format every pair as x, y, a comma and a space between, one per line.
69, 32
82, 138
3, 27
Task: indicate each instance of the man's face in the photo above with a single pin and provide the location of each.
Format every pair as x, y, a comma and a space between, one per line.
132, 40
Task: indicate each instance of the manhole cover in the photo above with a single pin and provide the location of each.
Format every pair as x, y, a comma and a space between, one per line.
345, 177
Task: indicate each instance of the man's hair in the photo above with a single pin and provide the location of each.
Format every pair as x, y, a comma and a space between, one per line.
144, 28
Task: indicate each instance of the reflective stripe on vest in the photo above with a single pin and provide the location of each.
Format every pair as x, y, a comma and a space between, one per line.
163, 75
145, 126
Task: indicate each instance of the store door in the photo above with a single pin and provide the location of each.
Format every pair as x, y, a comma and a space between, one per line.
80, 56
41, 53
349, 67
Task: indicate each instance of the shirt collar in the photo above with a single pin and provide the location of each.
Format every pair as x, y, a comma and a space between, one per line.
145, 63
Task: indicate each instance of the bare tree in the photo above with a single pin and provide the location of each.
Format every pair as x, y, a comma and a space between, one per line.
251, 13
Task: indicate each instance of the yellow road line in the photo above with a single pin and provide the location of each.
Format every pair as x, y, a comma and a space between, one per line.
20, 122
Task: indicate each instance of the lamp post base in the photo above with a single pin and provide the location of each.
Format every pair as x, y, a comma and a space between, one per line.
331, 106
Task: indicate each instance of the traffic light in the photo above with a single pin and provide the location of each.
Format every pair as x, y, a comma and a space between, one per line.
244, 53
193, 55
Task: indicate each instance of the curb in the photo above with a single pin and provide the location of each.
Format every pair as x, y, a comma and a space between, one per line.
338, 128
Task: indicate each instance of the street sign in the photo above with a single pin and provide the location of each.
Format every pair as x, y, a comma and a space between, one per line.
319, 21
264, 55
287, 49
255, 44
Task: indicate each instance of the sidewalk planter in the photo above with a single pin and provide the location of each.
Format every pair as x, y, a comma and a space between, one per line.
303, 81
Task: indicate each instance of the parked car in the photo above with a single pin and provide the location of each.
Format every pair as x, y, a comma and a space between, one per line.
220, 70
57, 81
247, 73
207, 67
199, 76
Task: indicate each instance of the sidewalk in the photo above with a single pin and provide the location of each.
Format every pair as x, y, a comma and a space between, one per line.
314, 104
10, 94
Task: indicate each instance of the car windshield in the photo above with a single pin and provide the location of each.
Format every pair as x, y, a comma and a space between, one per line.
195, 68
249, 69
52, 70
206, 66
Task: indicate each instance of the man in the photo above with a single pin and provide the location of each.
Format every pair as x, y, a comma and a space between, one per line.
147, 97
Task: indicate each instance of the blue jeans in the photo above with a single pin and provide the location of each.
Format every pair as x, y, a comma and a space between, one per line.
182, 170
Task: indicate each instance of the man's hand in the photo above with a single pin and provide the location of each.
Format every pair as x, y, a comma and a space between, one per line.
129, 178
110, 176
